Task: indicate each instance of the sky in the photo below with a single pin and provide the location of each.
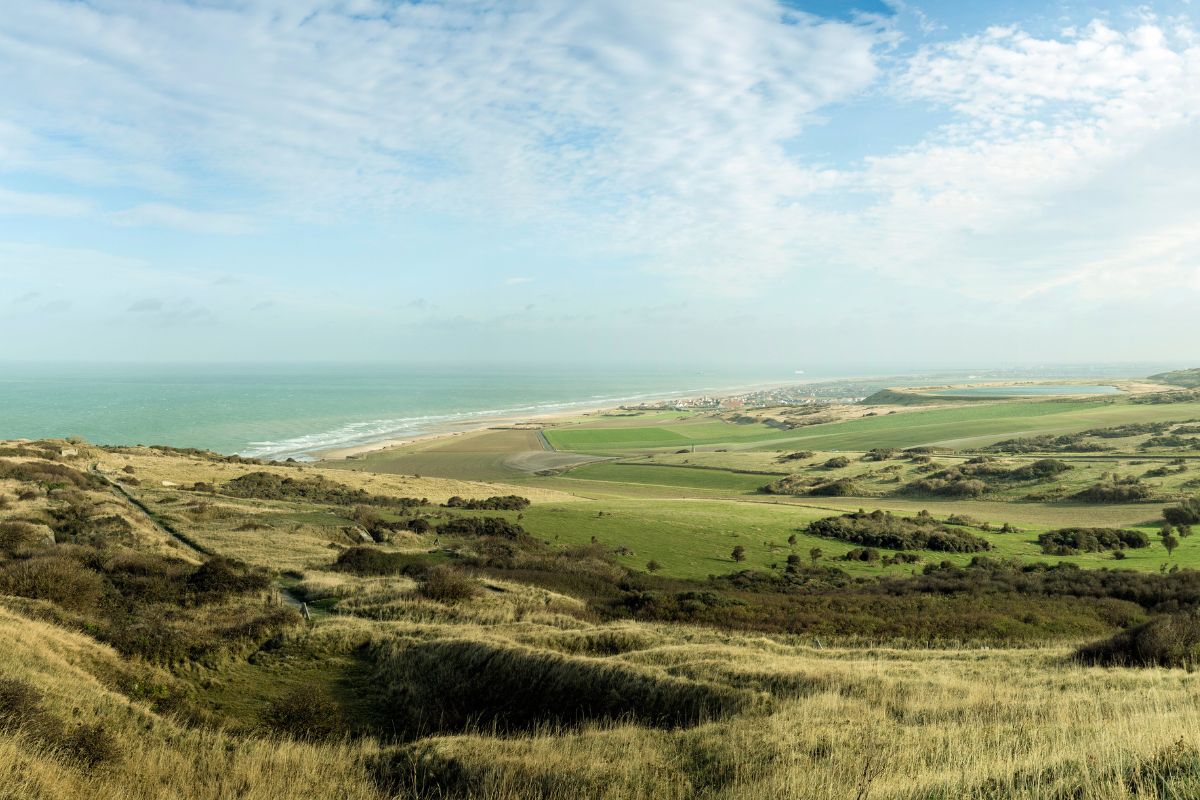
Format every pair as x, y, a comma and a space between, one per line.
599, 181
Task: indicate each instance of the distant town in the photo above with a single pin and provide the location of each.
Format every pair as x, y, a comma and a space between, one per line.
797, 395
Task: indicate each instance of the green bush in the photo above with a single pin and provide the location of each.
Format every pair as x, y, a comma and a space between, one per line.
883, 529
509, 502
1071, 541
1116, 490
481, 526
306, 712
447, 585
1172, 640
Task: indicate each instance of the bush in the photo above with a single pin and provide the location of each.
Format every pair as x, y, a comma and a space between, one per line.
448, 585
509, 502
373, 561
50, 474
1039, 470
219, 577
1116, 490
1171, 640
481, 526
1070, 541
306, 712
17, 534
882, 529
1186, 513
842, 487
837, 462
57, 577
269, 486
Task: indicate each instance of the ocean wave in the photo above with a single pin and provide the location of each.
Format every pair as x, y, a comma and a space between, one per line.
364, 432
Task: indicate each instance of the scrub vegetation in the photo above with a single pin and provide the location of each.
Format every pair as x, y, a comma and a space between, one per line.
977, 599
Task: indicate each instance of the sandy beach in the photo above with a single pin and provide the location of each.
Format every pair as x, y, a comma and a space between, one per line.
475, 424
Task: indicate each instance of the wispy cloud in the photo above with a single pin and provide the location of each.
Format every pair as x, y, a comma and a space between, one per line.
184, 219
667, 135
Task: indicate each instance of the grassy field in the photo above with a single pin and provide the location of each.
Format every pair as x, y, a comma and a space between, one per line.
694, 538
460, 652
966, 426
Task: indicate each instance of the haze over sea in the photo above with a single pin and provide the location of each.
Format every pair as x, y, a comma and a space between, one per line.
279, 411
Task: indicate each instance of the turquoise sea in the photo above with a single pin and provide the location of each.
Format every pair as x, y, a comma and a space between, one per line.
280, 411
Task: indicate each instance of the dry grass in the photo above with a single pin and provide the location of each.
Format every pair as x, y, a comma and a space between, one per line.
798, 721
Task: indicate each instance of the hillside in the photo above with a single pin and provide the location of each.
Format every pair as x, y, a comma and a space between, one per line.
1187, 378
742, 644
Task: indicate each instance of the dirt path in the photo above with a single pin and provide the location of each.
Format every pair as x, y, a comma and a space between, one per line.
163, 526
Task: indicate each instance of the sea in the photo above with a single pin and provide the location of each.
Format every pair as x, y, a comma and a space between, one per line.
294, 411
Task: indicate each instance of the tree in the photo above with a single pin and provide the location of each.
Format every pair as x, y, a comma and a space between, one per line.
1170, 543
653, 566
738, 554
815, 554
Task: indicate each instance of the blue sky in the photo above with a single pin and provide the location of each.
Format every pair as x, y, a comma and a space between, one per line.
611, 181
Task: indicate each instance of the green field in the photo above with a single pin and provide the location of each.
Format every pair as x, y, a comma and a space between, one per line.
685, 477
966, 426
694, 538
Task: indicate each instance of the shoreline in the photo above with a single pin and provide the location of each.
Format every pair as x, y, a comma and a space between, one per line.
478, 424
482, 423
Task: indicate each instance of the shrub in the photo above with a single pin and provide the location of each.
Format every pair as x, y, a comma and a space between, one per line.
1070, 541
837, 462
448, 585
1116, 490
306, 712
481, 526
842, 487
1186, 513
56, 577
799, 455
883, 529
18, 534
1171, 640
509, 502
221, 576
869, 554
948, 486
1039, 470
50, 474
373, 561
269, 486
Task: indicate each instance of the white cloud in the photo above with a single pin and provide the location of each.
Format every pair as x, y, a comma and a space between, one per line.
1064, 153
660, 131
655, 128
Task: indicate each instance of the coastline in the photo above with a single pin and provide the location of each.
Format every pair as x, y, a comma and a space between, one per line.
481, 423
469, 425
